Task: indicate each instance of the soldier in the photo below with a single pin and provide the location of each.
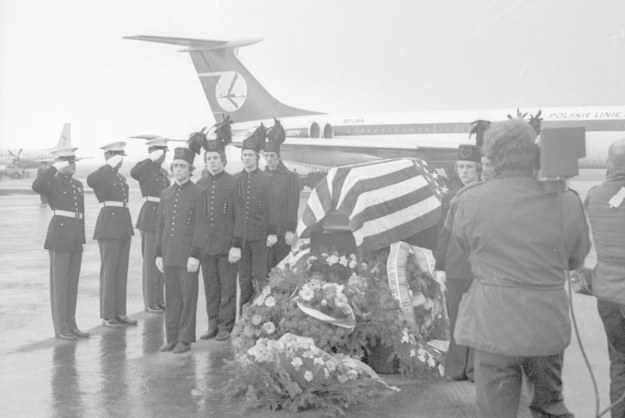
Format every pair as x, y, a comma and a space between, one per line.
177, 214
152, 180
113, 230
286, 195
65, 239
216, 239
255, 226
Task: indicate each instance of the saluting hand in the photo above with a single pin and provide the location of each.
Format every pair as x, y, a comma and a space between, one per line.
155, 155
234, 255
193, 264
159, 264
115, 160
288, 237
271, 240
59, 165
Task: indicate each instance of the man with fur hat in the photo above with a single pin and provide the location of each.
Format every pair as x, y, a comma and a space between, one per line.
113, 230
215, 239
152, 180
65, 239
255, 218
452, 265
286, 195
176, 224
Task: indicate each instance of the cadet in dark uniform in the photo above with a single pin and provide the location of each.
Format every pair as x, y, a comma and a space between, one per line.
255, 226
113, 230
453, 267
152, 180
66, 236
177, 214
286, 195
215, 240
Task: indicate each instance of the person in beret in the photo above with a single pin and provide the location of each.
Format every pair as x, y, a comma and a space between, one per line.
65, 239
152, 180
113, 230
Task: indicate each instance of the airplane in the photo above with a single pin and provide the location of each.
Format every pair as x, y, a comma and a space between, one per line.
324, 140
12, 163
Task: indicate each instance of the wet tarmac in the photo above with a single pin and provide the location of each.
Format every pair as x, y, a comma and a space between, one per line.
120, 372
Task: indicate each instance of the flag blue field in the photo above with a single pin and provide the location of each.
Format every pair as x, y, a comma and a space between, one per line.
385, 201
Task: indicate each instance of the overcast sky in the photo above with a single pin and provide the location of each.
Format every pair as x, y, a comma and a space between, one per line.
66, 61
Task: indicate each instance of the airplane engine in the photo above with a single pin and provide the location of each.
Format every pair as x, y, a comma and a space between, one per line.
313, 130
328, 131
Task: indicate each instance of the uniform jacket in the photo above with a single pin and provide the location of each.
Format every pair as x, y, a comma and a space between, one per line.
152, 180
216, 228
286, 195
113, 222
517, 305
176, 224
63, 193
255, 207
608, 230
449, 257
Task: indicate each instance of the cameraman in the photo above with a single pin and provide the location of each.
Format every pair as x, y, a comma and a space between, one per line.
515, 314
606, 213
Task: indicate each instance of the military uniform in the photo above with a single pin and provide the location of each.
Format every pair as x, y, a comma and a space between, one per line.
64, 241
215, 239
152, 180
286, 195
113, 230
255, 219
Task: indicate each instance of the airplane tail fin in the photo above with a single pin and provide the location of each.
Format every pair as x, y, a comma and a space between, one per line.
228, 85
65, 140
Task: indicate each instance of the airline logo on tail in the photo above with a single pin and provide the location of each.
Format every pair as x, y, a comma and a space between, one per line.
230, 91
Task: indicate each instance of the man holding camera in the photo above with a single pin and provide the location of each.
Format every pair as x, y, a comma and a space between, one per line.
605, 205
520, 243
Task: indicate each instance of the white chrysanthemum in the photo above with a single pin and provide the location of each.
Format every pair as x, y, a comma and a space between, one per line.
343, 261
352, 374
431, 362
421, 358
421, 352
413, 353
332, 260
306, 293
308, 376
269, 328
270, 302
257, 319
404, 336
297, 363
353, 264
319, 361
324, 302
308, 354
331, 366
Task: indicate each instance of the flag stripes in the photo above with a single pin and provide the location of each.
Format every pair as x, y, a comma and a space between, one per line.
385, 201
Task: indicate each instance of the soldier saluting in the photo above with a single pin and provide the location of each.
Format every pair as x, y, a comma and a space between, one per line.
152, 180
286, 195
255, 222
65, 239
113, 230
176, 224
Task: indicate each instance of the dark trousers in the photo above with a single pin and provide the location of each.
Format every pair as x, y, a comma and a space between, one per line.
498, 381
459, 359
220, 289
277, 252
153, 282
114, 254
614, 324
64, 273
181, 297
252, 268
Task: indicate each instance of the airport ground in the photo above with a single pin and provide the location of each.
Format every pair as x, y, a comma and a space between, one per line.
120, 372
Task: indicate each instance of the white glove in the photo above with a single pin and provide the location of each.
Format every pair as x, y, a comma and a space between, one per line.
441, 278
115, 160
59, 165
288, 237
234, 255
271, 240
159, 264
193, 264
155, 155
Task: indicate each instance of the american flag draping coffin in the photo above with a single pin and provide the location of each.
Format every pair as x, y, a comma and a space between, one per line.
385, 201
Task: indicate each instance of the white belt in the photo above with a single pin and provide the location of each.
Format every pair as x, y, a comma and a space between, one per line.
68, 214
151, 199
113, 203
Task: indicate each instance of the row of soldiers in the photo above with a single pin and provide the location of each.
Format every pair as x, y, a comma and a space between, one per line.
230, 225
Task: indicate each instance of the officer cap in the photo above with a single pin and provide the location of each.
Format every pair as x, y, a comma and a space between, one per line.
115, 148
64, 153
184, 154
467, 152
158, 143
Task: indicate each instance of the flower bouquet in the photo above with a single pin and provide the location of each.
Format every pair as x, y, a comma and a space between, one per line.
293, 374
